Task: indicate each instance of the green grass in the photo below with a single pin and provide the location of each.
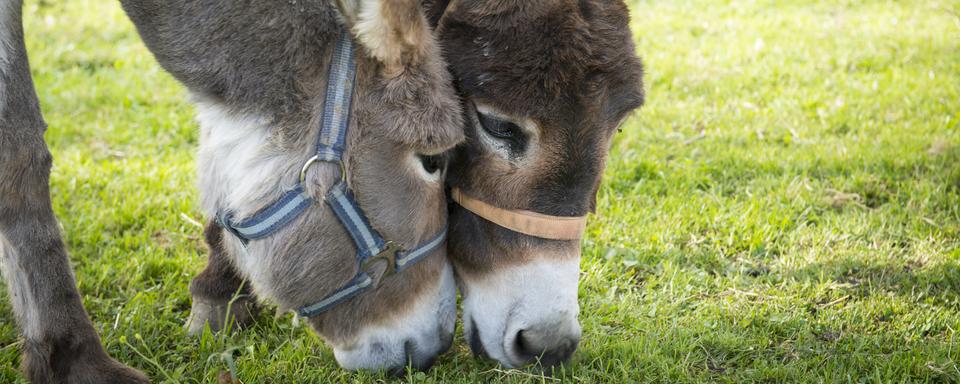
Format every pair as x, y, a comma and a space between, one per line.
786, 207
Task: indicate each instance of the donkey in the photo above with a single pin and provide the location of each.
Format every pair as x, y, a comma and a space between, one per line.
545, 84
348, 231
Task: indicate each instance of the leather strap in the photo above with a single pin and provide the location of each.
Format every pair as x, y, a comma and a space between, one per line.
525, 222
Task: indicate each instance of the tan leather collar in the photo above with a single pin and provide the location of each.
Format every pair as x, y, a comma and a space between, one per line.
525, 222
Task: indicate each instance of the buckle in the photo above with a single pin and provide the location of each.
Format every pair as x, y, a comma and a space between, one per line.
389, 255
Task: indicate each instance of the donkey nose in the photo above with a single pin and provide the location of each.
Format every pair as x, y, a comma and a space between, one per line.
548, 344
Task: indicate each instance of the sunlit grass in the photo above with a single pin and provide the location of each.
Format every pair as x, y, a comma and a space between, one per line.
786, 207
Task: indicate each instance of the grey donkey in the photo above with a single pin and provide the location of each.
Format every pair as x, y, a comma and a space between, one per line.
256, 67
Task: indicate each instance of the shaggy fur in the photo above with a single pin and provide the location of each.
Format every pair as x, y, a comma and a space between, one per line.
578, 77
263, 63
257, 71
565, 71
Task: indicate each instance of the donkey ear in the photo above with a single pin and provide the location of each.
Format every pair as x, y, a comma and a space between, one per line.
395, 32
416, 102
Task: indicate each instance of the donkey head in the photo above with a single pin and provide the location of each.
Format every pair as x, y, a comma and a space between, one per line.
545, 85
404, 111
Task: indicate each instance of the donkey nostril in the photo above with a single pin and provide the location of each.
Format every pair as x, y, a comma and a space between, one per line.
548, 353
523, 347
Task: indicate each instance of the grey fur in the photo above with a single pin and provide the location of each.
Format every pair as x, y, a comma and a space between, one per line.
264, 60
61, 344
267, 60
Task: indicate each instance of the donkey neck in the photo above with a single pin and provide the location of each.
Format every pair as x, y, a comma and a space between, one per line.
243, 159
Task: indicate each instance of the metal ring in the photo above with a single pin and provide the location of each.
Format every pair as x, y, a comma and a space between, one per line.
306, 166
316, 158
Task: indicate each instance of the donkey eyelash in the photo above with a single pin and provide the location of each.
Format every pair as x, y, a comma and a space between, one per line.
506, 131
498, 128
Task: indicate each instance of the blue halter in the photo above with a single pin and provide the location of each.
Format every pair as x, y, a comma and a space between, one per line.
331, 144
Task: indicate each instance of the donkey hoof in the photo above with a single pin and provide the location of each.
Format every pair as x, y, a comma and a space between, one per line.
76, 363
108, 371
239, 312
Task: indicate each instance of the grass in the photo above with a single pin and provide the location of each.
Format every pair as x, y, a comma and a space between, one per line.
786, 207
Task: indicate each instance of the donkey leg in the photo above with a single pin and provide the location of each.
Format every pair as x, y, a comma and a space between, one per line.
61, 344
219, 294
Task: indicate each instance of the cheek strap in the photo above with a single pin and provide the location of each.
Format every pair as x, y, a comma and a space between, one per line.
525, 222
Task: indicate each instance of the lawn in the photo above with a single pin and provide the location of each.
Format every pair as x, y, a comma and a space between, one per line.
786, 207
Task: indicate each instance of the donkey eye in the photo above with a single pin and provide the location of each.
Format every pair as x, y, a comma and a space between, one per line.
498, 128
508, 136
431, 164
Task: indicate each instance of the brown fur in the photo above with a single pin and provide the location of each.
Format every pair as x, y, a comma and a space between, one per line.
220, 295
566, 65
564, 73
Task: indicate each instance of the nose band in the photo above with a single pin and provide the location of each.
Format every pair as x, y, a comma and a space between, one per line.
525, 222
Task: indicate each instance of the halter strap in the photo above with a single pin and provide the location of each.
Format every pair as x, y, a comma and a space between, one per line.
525, 222
270, 219
335, 121
330, 147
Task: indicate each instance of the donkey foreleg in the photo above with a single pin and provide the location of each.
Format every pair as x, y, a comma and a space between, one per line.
61, 345
220, 295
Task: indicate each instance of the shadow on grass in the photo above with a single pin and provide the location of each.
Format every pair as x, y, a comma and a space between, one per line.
937, 284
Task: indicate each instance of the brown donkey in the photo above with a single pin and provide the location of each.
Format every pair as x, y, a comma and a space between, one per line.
315, 158
544, 85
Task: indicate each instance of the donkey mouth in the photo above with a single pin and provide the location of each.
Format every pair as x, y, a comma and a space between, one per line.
413, 361
476, 345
